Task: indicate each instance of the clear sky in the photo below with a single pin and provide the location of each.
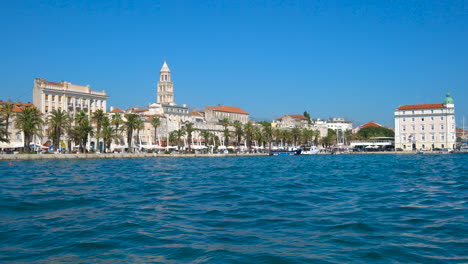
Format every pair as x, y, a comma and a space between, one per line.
353, 59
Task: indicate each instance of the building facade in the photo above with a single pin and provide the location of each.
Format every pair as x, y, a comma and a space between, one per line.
216, 113
66, 96
426, 126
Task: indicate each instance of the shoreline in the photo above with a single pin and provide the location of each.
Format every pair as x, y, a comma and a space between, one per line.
156, 155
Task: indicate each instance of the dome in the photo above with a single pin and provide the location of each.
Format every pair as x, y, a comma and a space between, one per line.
448, 99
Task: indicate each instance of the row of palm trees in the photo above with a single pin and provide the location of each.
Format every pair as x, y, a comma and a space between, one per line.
60, 125
262, 134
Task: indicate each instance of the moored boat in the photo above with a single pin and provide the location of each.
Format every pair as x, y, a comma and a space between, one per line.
286, 152
312, 150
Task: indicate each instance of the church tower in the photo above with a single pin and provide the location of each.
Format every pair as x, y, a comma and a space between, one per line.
165, 93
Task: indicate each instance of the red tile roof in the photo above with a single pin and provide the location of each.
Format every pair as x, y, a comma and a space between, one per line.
371, 124
294, 116
420, 106
117, 110
229, 109
196, 113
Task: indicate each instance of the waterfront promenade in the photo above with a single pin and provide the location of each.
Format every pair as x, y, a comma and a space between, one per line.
155, 155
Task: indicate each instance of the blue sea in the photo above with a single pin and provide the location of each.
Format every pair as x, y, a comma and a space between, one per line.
304, 209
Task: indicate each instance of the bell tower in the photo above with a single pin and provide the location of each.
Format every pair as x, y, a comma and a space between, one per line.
165, 94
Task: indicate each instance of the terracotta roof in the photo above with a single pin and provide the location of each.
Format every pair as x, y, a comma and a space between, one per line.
229, 109
420, 106
196, 113
117, 110
371, 124
139, 110
294, 116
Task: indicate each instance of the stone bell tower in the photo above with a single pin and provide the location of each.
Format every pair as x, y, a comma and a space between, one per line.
165, 94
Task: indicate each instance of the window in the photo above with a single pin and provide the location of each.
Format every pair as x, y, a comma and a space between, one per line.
422, 118
404, 119
422, 127
441, 118
432, 118
404, 128
441, 127
453, 126
432, 127
442, 137
423, 137
432, 137
404, 138
413, 127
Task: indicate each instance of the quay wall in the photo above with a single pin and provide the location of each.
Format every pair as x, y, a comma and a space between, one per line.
114, 156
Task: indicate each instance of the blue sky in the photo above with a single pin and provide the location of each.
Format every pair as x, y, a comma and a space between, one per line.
353, 59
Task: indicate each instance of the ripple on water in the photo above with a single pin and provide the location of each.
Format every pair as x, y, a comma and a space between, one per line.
320, 209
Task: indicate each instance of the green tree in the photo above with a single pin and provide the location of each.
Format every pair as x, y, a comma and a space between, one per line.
57, 123
189, 129
330, 138
206, 135
268, 133
3, 131
238, 132
371, 132
296, 133
117, 121
83, 129
132, 123
307, 115
97, 118
225, 123
179, 134
155, 122
7, 111
249, 134
30, 122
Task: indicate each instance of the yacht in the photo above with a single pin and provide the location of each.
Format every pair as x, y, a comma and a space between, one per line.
312, 150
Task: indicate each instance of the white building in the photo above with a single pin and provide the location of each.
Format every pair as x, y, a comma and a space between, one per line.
66, 96
426, 126
216, 113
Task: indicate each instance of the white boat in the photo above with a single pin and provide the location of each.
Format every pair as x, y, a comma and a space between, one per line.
463, 148
312, 150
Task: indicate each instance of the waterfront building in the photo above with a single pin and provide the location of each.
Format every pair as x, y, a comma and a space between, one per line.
426, 126
216, 113
335, 123
292, 121
16, 137
369, 124
66, 96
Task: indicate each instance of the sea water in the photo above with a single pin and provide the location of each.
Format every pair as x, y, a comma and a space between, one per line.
304, 209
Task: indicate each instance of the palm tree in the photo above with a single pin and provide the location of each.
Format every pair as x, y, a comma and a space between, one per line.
3, 131
238, 132
268, 133
155, 122
276, 135
98, 118
189, 130
82, 130
140, 126
58, 122
296, 133
30, 122
179, 134
206, 135
225, 123
117, 121
107, 133
131, 124
249, 133
7, 111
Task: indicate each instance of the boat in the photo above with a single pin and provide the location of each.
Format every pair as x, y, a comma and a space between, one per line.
463, 148
312, 150
286, 152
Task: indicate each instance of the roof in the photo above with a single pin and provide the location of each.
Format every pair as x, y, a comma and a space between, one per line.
165, 68
17, 107
139, 110
117, 110
371, 124
228, 109
196, 113
420, 106
301, 117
